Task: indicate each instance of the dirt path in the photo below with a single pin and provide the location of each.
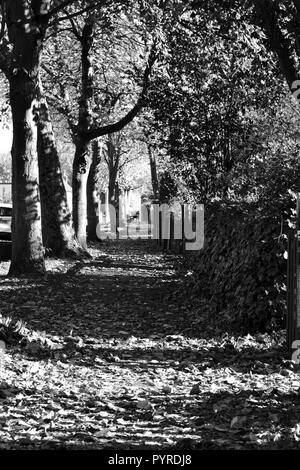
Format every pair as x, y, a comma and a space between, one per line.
110, 357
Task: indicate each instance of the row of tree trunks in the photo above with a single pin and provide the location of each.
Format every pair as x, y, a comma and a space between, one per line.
87, 130
34, 154
41, 217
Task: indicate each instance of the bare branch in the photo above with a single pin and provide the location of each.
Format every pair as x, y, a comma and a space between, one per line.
77, 13
105, 154
62, 102
60, 8
74, 27
116, 127
56, 32
127, 161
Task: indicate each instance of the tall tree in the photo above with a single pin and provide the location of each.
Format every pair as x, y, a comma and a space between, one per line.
26, 28
26, 24
82, 159
216, 70
86, 131
92, 190
153, 169
57, 228
94, 111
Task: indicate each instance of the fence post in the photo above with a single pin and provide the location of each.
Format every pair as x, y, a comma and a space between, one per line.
171, 239
165, 228
149, 221
160, 229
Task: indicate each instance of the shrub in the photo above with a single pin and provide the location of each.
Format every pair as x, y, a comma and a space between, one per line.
241, 271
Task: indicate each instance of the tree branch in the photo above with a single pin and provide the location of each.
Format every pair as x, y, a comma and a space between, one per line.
118, 126
92, 6
60, 8
74, 27
127, 161
72, 15
62, 102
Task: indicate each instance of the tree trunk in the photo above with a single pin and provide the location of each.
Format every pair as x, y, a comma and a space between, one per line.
112, 158
92, 192
82, 159
81, 167
154, 178
113, 198
58, 233
26, 34
27, 243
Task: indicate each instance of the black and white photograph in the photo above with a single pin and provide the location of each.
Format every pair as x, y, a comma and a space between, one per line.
149, 228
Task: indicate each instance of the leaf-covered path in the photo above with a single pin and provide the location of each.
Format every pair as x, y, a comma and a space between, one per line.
109, 355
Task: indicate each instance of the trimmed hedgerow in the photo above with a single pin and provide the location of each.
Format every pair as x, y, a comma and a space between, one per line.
241, 272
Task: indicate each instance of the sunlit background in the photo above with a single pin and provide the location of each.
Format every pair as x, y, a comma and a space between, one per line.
5, 140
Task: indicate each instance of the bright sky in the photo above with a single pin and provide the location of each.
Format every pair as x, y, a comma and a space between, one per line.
5, 140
